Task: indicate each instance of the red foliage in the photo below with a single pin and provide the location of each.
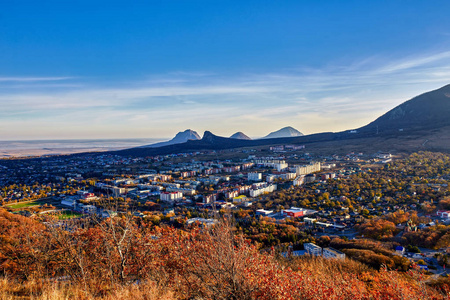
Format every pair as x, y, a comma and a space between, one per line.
200, 263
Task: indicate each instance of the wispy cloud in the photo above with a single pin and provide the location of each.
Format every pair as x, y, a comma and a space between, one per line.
329, 99
414, 62
32, 79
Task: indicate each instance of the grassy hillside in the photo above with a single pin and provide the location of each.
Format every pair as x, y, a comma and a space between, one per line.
122, 258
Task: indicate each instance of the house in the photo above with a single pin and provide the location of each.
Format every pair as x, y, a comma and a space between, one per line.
202, 221
239, 199
399, 250
90, 209
444, 214
108, 214
332, 253
209, 198
263, 212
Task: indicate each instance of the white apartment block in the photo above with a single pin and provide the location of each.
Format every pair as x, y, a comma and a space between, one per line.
254, 176
171, 196
299, 180
185, 191
332, 253
261, 190
312, 249
286, 176
307, 169
273, 163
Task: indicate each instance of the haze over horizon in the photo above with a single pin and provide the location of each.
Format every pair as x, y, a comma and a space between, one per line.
114, 69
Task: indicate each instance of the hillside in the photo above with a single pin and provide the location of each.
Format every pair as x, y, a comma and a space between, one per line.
121, 259
430, 110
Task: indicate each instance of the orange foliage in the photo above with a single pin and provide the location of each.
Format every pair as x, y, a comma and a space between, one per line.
377, 229
445, 203
105, 258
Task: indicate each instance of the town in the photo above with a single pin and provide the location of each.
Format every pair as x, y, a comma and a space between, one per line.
281, 197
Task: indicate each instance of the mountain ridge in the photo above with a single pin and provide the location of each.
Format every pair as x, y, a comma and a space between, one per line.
417, 124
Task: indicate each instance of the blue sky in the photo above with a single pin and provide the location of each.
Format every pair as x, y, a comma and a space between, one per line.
126, 69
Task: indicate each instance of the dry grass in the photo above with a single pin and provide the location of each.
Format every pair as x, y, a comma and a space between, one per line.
33, 289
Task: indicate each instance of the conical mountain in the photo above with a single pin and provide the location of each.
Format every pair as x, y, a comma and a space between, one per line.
283, 133
240, 136
181, 137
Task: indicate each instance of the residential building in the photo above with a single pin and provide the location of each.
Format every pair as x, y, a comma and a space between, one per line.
307, 169
332, 253
266, 188
312, 249
185, 191
299, 180
263, 212
273, 163
209, 198
171, 196
444, 214
254, 176
239, 199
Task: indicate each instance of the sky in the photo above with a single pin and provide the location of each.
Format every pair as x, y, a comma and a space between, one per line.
149, 69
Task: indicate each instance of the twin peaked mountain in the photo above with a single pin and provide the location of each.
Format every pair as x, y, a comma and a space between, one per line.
191, 135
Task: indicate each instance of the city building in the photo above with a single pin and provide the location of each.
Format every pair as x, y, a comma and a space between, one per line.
312, 249
239, 199
171, 196
254, 176
294, 212
332, 253
185, 191
444, 214
266, 188
299, 180
307, 169
272, 163
263, 212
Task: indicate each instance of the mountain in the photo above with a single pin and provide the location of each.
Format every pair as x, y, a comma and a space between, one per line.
419, 124
181, 137
283, 133
240, 136
426, 111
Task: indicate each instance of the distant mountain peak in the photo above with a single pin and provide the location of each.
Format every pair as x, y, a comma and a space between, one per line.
180, 137
208, 136
284, 132
189, 134
240, 136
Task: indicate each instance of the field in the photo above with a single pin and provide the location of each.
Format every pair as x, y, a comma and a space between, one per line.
64, 215
29, 203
